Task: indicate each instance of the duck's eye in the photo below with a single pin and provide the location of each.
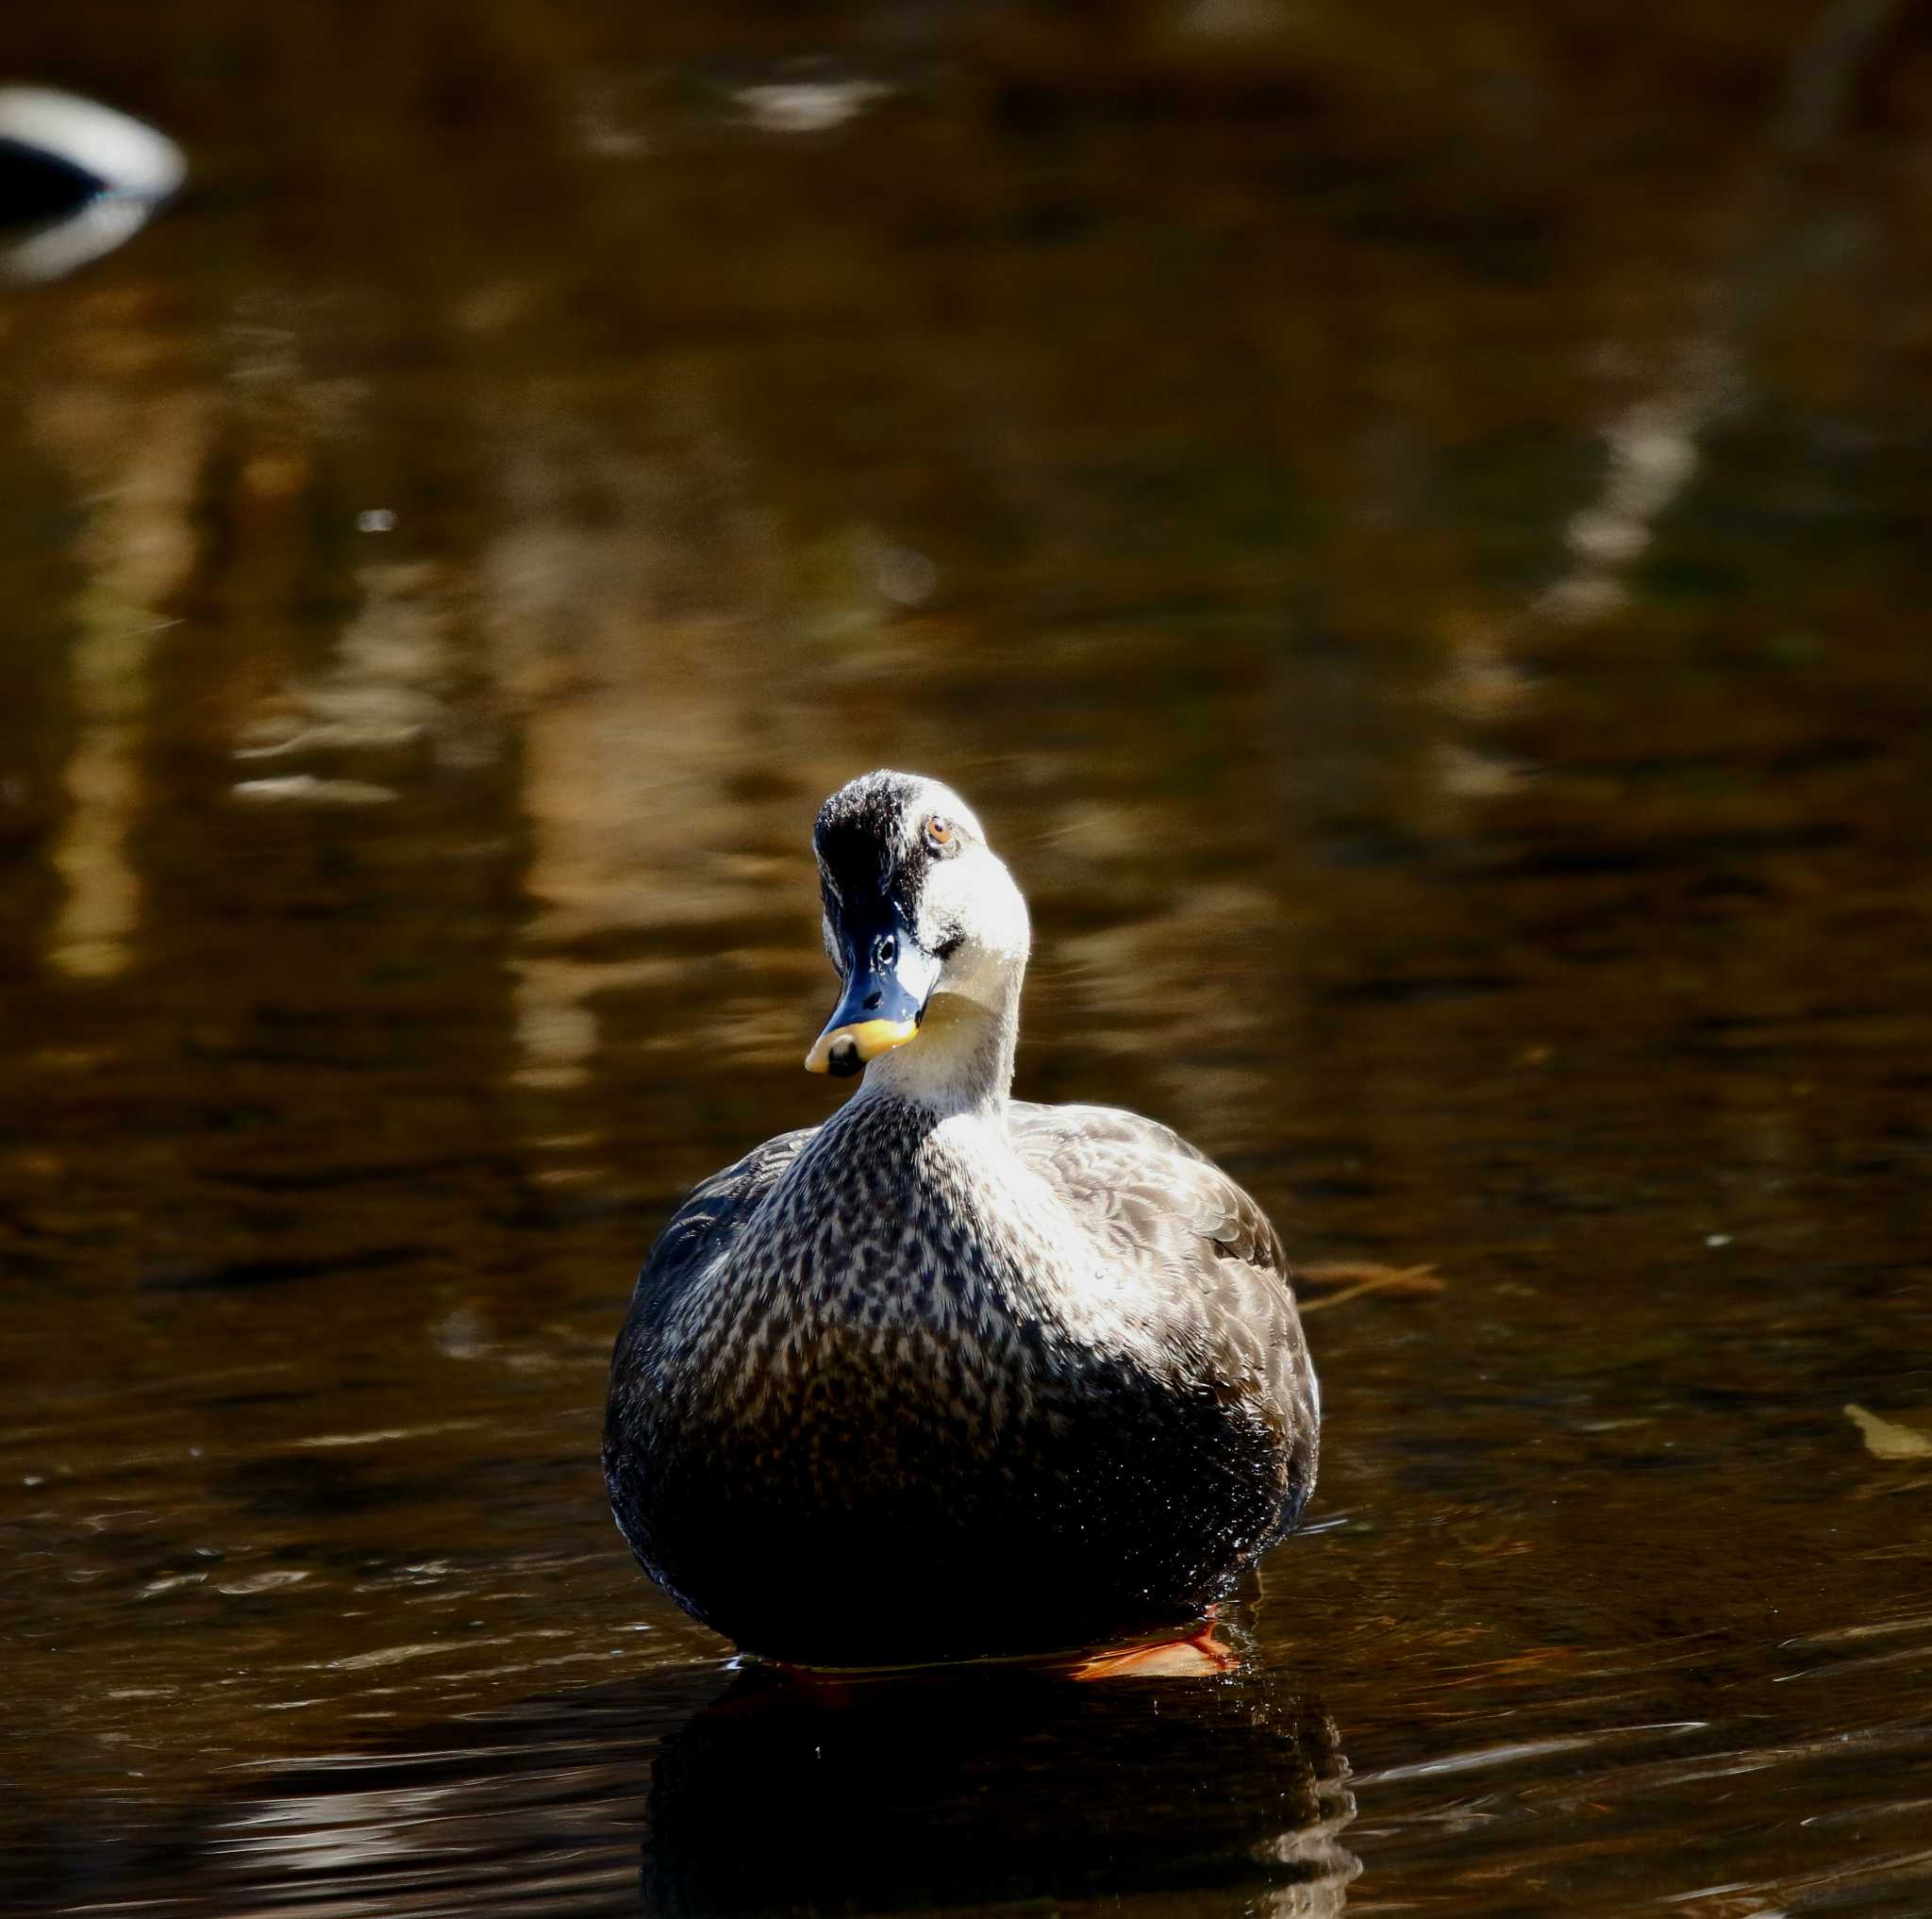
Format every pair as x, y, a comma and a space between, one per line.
939, 833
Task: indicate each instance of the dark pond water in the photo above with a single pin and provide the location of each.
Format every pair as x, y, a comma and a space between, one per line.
1415, 534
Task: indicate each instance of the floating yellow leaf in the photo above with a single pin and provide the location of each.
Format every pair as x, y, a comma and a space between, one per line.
1885, 1440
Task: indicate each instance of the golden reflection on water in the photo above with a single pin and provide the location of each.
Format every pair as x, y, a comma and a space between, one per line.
136, 461
1653, 443
624, 653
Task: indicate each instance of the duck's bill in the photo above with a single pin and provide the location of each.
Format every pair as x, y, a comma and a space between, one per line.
881, 1007
842, 1050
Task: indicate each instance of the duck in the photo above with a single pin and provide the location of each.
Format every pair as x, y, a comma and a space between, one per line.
953, 1375
76, 179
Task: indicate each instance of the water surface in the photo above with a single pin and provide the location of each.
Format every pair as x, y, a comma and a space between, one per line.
1416, 544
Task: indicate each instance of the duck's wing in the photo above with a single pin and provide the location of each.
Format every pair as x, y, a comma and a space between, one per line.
1198, 1246
1162, 1202
711, 1217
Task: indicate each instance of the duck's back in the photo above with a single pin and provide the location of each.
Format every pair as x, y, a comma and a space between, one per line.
980, 1477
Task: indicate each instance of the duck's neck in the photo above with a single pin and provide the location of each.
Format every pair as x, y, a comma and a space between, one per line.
962, 1062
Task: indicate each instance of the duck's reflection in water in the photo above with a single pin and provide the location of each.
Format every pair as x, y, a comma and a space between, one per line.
993, 1785
755, 1792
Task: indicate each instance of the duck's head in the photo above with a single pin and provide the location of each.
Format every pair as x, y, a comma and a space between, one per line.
920, 913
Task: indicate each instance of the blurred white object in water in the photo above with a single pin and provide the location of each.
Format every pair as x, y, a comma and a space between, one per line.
808, 105
305, 788
112, 172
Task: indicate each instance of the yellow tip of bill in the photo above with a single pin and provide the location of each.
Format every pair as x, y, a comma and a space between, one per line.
851, 1046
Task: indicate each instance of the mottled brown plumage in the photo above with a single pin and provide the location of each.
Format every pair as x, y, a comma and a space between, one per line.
953, 1373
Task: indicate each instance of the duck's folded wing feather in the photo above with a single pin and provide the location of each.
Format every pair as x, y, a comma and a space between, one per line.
712, 1215
1139, 1183
1192, 1241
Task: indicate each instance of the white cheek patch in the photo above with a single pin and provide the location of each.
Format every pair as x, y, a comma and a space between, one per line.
944, 918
